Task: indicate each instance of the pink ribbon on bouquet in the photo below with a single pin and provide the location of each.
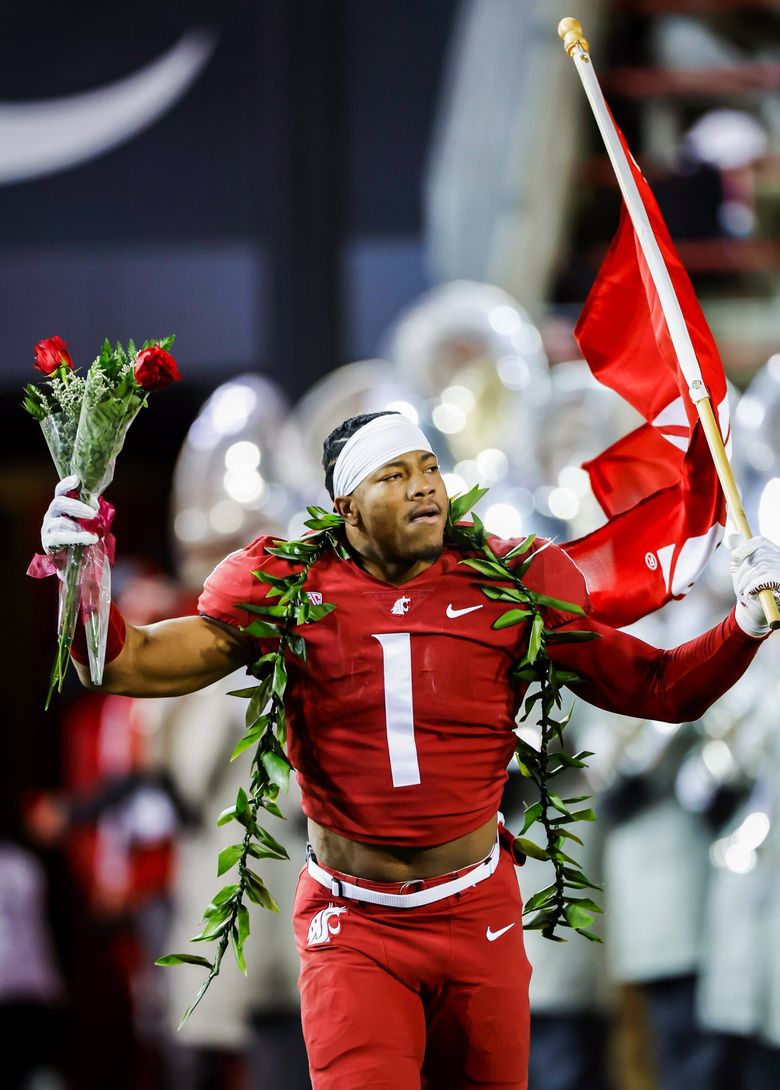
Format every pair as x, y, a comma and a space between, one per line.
45, 564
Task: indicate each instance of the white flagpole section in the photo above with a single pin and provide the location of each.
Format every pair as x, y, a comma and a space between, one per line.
576, 46
678, 330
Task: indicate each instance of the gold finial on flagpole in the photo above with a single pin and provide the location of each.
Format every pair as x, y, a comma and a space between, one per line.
570, 30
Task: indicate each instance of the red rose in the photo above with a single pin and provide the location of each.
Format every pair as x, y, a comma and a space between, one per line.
156, 368
51, 354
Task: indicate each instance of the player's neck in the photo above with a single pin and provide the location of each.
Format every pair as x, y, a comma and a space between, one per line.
396, 570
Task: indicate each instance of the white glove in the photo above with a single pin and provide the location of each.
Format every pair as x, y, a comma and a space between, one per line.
59, 527
755, 566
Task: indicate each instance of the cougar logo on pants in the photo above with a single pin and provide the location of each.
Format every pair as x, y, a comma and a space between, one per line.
324, 924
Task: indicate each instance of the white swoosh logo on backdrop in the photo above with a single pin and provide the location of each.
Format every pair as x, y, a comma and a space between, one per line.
46, 135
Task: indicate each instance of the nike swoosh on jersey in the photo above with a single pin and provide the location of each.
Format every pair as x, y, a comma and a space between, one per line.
452, 612
491, 936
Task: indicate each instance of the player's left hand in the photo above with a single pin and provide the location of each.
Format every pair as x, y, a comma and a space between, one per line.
61, 527
755, 566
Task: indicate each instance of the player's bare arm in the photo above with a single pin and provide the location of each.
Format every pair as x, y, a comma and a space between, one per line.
171, 658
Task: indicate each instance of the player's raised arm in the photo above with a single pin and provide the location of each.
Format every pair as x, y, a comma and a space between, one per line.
168, 658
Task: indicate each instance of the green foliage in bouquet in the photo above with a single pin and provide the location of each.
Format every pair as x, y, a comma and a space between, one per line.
112, 398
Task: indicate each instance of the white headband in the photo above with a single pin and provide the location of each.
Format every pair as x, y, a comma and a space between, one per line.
377, 442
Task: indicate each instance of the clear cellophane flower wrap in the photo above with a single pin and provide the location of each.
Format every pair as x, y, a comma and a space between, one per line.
59, 431
57, 407
106, 415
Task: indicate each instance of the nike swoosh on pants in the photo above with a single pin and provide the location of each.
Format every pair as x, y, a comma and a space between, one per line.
491, 936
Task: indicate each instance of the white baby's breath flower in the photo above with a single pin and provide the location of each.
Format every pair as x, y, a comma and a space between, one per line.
69, 395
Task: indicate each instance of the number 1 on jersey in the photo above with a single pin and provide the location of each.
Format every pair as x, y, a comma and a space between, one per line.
399, 712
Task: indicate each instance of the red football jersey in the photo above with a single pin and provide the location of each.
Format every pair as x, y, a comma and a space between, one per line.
400, 722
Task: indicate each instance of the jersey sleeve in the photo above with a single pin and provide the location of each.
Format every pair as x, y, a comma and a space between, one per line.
552, 572
232, 583
626, 675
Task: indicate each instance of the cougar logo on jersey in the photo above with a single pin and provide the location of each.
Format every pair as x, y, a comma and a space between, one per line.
324, 924
314, 597
401, 605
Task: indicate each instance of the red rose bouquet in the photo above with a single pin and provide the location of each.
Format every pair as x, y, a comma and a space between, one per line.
84, 422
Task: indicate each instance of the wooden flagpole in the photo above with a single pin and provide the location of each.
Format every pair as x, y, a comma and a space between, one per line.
576, 45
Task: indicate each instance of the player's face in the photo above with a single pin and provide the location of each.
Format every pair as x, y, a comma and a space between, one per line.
401, 509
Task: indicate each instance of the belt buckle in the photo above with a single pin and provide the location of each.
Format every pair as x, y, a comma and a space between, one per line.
404, 889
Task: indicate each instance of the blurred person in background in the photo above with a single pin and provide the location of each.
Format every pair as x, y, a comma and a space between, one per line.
738, 994
388, 490
655, 880
739, 988
689, 860
252, 1037
569, 992
115, 819
33, 1009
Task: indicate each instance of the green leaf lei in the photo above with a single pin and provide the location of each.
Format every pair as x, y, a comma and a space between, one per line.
555, 905
226, 918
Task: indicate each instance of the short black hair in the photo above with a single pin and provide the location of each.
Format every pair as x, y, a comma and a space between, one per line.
334, 444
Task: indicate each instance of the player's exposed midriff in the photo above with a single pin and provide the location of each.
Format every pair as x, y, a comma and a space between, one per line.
388, 863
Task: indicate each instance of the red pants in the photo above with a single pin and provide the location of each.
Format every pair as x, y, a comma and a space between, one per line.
399, 999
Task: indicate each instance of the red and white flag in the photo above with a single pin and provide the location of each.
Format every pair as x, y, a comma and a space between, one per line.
658, 485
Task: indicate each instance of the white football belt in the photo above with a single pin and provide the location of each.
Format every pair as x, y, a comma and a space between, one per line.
339, 888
